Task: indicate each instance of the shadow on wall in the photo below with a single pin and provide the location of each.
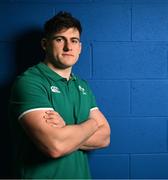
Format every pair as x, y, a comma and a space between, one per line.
27, 52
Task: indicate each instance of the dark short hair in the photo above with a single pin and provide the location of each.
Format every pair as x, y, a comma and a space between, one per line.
62, 20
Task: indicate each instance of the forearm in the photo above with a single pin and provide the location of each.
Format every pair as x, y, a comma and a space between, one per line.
55, 141
72, 137
82, 136
100, 139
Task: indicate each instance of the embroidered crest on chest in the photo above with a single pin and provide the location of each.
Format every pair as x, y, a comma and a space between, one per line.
82, 90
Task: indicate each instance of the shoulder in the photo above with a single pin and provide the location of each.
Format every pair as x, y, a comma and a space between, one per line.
29, 80
31, 75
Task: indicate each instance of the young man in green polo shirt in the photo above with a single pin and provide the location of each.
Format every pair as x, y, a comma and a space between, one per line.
53, 113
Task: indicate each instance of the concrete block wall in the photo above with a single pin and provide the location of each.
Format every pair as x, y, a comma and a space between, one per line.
125, 60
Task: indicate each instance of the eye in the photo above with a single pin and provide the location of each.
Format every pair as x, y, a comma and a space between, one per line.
59, 40
75, 41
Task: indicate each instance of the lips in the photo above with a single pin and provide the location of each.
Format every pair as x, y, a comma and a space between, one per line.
65, 54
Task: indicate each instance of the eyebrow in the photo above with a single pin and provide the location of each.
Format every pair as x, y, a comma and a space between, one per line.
63, 37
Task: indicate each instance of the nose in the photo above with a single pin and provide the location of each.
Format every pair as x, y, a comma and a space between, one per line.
67, 46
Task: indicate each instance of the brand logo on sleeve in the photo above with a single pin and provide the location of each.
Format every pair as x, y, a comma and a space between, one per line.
55, 89
82, 90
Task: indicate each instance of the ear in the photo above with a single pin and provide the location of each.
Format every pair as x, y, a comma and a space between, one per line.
44, 43
80, 48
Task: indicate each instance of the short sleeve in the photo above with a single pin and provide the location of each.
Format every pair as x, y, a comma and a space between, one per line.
93, 103
28, 95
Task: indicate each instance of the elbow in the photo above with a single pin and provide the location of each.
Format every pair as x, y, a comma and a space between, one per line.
106, 139
55, 154
58, 151
53, 151
106, 142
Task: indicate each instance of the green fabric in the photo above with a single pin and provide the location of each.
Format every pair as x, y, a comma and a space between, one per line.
40, 87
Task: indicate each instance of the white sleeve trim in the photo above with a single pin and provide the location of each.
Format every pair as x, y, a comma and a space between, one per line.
31, 110
93, 108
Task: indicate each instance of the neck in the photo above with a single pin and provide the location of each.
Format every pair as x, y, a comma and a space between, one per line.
65, 73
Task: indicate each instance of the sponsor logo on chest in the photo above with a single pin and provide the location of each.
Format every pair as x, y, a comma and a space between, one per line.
55, 89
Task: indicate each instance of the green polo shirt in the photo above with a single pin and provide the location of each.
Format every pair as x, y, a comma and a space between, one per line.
41, 88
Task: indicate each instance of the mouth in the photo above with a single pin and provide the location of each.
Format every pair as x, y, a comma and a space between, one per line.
66, 54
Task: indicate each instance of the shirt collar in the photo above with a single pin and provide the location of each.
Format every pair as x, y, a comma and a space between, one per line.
73, 77
52, 74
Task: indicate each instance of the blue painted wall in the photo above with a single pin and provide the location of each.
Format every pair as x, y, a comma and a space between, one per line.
125, 60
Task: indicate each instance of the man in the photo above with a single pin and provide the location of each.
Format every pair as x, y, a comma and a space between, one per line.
54, 114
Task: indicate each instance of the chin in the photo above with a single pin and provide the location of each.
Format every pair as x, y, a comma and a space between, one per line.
64, 66
69, 64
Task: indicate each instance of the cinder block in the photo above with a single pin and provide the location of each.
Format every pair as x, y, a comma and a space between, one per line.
109, 166
5, 78
150, 98
54, 1
118, 60
6, 1
149, 22
6, 57
149, 1
113, 1
102, 21
137, 135
108, 21
7, 65
17, 19
149, 166
113, 97
83, 68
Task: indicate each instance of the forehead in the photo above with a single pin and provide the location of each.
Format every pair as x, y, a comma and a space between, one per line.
71, 32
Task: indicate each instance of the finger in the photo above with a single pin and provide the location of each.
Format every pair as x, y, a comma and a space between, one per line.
55, 125
52, 122
51, 112
53, 116
55, 121
47, 116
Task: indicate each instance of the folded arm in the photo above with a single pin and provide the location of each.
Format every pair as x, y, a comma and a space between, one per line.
56, 141
99, 139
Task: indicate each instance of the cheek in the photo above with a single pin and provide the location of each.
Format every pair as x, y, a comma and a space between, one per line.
57, 51
78, 51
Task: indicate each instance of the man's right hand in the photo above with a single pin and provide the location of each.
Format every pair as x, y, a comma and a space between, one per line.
54, 119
